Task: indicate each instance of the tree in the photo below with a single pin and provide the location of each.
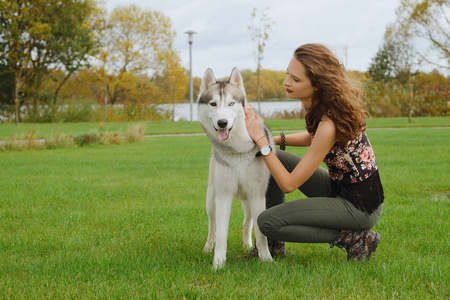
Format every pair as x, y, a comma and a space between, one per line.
14, 56
406, 61
396, 87
134, 42
37, 36
381, 67
84, 31
418, 22
431, 94
175, 78
261, 28
270, 81
395, 60
196, 85
428, 21
387, 99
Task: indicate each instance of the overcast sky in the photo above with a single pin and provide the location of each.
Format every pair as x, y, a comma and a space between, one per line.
223, 41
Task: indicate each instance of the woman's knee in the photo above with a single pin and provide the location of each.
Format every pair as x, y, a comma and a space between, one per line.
265, 224
373, 218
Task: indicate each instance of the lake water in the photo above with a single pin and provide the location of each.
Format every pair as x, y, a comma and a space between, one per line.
183, 110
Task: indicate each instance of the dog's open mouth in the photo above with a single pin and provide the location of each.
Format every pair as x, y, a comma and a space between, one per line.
223, 133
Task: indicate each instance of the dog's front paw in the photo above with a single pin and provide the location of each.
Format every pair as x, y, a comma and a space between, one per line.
248, 246
218, 264
264, 255
267, 259
220, 258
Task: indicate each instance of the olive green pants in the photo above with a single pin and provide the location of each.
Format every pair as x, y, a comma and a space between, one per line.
316, 219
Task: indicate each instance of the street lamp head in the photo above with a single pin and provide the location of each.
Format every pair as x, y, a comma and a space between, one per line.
190, 34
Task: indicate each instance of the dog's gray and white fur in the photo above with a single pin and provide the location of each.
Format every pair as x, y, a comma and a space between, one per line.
234, 171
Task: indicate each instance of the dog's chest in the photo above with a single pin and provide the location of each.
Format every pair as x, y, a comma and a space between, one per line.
240, 166
242, 176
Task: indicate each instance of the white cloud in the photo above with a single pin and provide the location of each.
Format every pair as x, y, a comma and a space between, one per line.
224, 41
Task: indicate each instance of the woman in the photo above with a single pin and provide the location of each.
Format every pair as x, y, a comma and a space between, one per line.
343, 202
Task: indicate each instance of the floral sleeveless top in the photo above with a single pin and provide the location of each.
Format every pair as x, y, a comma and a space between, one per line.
354, 173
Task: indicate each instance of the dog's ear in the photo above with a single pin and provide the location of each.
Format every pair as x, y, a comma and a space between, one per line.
207, 81
236, 79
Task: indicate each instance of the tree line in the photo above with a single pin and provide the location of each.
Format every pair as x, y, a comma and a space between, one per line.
57, 53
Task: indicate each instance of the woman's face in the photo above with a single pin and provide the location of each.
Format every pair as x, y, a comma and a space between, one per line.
297, 83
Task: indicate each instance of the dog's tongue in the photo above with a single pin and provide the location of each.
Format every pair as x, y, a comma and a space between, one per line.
223, 134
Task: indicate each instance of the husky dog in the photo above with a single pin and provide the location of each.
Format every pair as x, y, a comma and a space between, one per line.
234, 170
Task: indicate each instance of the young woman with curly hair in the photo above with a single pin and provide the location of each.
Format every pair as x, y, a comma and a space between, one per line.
345, 201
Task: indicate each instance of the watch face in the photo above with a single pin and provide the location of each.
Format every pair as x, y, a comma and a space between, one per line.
265, 150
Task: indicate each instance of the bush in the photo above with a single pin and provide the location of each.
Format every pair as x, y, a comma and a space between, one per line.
28, 141
86, 111
86, 139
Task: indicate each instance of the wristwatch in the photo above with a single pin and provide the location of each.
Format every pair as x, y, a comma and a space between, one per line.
265, 150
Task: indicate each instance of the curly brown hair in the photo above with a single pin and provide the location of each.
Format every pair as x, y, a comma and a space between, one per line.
337, 96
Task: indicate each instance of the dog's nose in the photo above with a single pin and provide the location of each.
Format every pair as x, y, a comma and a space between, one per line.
222, 123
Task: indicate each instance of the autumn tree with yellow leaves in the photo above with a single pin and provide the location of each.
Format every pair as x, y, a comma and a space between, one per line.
135, 44
46, 47
420, 35
39, 36
174, 79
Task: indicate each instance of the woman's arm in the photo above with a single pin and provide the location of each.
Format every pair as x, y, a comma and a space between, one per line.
324, 139
288, 182
300, 139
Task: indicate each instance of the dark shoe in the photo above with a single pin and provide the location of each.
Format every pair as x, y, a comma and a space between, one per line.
276, 248
253, 253
359, 244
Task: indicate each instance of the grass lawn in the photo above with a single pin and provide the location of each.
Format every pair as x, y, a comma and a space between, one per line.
47, 130
129, 222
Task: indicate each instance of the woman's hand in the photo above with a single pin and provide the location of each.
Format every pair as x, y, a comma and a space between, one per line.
253, 123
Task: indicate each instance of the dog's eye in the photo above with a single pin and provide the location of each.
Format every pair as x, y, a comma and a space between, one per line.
213, 104
231, 104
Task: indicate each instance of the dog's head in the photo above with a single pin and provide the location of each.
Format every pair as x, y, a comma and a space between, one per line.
221, 103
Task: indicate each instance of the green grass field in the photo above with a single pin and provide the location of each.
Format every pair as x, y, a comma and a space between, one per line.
129, 222
46, 130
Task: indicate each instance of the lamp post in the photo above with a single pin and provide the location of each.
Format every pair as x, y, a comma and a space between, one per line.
190, 34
